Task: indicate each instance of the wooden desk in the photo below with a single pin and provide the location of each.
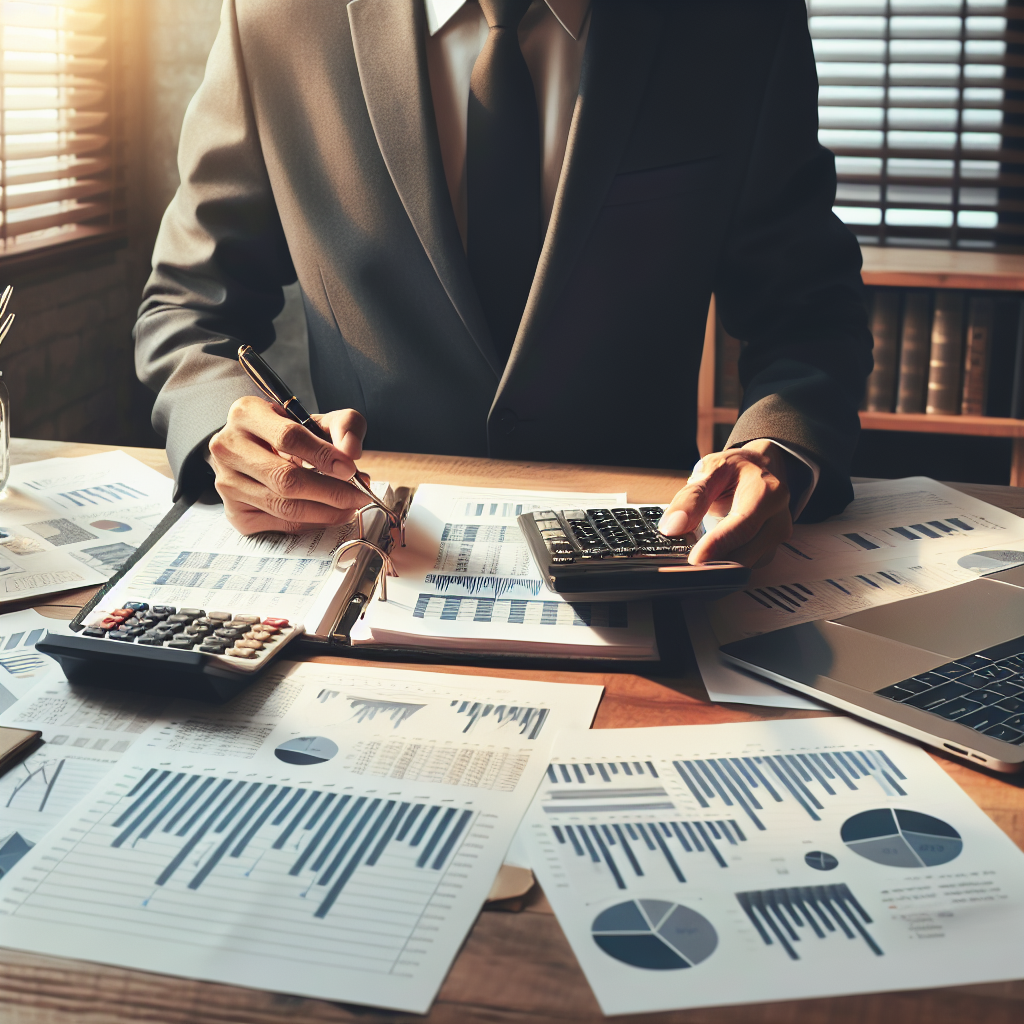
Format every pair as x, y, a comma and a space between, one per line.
513, 967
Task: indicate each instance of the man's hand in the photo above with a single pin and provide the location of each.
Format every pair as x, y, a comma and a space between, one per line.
260, 459
748, 487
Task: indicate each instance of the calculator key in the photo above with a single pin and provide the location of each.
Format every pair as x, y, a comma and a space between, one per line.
1004, 732
214, 646
192, 613
179, 619
163, 609
229, 633
136, 606
150, 641
276, 623
252, 645
240, 652
219, 616
94, 631
263, 636
133, 621
248, 620
111, 622
198, 630
183, 642
118, 635
124, 613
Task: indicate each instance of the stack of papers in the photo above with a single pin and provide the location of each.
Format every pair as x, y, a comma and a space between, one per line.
70, 523
467, 582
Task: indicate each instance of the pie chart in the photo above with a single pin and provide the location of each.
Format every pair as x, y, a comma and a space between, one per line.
820, 861
654, 935
306, 750
901, 839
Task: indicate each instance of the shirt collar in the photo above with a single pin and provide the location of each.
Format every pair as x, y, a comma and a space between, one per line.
570, 13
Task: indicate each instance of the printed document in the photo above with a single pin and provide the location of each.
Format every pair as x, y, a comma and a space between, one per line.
70, 523
708, 865
467, 581
896, 539
335, 840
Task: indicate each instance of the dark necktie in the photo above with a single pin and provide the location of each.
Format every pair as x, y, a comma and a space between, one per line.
503, 173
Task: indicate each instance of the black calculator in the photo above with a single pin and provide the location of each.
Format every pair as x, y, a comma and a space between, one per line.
617, 554
188, 652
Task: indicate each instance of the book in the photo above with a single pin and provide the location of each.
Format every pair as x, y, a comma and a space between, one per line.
944, 361
885, 322
1017, 396
728, 391
915, 342
976, 355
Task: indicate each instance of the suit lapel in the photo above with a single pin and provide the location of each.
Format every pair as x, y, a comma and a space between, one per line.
616, 67
388, 38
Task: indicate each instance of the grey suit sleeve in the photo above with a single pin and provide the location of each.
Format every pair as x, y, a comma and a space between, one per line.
789, 284
219, 265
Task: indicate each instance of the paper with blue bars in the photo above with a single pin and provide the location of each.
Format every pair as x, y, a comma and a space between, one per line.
704, 865
335, 838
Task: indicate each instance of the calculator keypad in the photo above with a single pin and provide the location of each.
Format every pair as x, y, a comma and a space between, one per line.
243, 640
595, 533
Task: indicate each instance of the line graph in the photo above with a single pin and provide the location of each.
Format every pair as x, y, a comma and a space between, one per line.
499, 586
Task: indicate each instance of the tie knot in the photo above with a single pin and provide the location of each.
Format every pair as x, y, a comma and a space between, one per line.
504, 13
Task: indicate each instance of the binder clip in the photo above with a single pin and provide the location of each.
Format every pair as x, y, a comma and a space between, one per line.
387, 567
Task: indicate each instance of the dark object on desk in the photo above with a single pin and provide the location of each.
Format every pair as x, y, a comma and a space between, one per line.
15, 744
945, 669
617, 554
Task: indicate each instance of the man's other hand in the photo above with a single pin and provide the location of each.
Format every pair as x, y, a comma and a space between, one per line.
748, 488
261, 460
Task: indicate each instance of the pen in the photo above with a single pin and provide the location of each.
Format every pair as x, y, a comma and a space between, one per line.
280, 394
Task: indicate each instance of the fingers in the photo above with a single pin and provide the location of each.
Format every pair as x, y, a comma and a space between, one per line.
347, 429
272, 426
757, 522
260, 461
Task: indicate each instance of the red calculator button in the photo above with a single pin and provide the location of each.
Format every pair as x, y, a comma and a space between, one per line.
276, 623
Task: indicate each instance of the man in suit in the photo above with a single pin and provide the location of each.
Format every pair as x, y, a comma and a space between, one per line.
507, 219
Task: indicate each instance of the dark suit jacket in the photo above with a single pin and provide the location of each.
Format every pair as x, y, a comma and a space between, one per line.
693, 166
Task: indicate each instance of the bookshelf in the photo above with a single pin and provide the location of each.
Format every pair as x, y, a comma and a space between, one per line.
904, 268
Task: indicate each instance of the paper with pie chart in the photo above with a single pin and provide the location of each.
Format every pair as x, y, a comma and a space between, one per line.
331, 833
703, 865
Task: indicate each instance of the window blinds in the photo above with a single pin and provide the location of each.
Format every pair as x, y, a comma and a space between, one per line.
56, 159
922, 101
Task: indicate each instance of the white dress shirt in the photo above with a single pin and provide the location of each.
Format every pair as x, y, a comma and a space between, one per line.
553, 37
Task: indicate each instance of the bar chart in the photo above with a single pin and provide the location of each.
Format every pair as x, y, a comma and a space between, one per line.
341, 833
807, 779
786, 917
633, 850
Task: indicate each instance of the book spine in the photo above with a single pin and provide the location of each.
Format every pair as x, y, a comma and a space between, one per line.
976, 355
885, 321
914, 346
1017, 397
728, 392
946, 354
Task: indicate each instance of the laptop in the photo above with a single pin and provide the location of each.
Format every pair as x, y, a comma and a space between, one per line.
946, 669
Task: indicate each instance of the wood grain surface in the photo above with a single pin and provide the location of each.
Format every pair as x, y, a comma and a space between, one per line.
512, 967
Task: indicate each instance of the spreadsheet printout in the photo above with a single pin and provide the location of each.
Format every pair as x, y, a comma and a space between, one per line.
339, 847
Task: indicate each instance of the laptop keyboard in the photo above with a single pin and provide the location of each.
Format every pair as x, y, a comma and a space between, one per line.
984, 691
